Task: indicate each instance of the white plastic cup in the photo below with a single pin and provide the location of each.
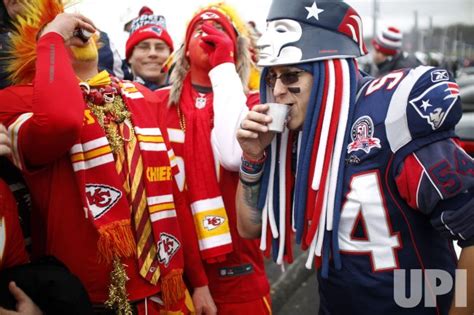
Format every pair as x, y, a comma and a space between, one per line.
279, 113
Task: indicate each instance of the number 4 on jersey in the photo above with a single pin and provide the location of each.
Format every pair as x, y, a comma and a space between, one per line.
365, 207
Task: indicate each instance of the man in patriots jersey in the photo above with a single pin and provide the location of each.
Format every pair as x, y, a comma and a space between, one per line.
381, 185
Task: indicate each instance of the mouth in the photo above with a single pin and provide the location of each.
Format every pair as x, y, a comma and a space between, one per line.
154, 65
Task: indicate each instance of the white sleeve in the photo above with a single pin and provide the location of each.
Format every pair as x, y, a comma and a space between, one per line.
229, 110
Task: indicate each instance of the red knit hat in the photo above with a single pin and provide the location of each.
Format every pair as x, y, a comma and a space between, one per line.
147, 26
212, 15
388, 41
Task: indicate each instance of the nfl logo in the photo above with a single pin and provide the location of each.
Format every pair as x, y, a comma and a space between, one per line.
200, 102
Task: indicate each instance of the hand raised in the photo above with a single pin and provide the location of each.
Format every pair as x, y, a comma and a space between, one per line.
66, 23
218, 45
253, 135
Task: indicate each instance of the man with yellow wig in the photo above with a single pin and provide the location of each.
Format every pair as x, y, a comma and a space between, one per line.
98, 167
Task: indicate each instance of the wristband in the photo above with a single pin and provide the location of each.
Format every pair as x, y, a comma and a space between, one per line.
250, 166
250, 179
249, 159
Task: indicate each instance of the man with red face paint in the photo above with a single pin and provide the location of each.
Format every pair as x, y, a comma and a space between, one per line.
98, 167
206, 102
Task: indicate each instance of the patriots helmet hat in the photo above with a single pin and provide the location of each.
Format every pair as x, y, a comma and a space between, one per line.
310, 30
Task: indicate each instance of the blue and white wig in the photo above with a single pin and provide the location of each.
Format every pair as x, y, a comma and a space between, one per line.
317, 193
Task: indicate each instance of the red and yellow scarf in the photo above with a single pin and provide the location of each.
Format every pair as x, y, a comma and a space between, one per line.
106, 200
207, 205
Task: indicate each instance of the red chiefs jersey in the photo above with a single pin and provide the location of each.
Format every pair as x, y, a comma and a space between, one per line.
241, 277
12, 246
40, 119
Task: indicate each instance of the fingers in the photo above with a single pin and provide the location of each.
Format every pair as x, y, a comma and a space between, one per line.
86, 23
208, 48
17, 293
256, 120
65, 24
212, 30
7, 312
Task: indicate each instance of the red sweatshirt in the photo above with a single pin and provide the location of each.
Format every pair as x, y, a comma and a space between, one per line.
45, 121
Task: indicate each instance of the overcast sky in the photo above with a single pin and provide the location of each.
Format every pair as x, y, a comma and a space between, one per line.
110, 15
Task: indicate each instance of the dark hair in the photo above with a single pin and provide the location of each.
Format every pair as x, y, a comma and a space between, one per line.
5, 19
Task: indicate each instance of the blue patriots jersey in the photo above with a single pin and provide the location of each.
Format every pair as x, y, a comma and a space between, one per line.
391, 209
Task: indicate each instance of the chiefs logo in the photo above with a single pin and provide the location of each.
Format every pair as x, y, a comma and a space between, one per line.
212, 222
209, 16
101, 198
168, 245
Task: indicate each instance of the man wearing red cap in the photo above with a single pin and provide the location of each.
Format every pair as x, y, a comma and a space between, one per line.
388, 54
205, 105
147, 48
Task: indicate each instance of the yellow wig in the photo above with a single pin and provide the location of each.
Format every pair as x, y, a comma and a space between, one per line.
35, 15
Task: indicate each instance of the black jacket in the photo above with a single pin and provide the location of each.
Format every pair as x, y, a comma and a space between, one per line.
398, 61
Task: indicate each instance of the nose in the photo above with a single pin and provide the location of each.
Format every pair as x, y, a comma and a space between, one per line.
153, 51
280, 89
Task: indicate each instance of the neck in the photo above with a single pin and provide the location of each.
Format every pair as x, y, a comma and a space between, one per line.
200, 76
85, 69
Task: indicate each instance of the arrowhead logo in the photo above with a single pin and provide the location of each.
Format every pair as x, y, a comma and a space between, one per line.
212, 222
168, 245
101, 198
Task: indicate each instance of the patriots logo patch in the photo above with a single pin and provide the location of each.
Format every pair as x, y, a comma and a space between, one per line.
101, 198
168, 245
435, 103
212, 222
439, 75
362, 135
157, 30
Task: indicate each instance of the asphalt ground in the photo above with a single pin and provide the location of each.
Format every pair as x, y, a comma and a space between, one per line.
295, 290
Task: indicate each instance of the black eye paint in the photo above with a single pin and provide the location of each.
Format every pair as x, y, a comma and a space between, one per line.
294, 90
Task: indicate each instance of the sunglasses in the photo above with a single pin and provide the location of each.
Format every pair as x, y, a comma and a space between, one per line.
286, 78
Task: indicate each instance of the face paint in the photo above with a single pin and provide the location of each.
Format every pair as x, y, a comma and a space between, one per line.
294, 90
280, 33
85, 53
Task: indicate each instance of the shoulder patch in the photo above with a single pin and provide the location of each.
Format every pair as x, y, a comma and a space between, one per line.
435, 102
362, 135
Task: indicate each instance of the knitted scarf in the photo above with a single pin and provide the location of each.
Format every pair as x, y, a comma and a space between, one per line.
105, 199
207, 205
317, 194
